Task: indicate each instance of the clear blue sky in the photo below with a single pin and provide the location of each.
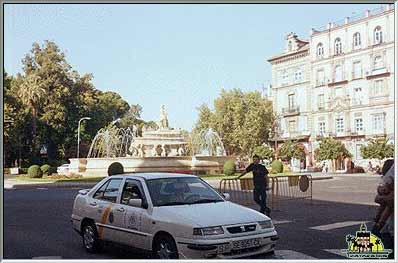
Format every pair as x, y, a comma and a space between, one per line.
177, 55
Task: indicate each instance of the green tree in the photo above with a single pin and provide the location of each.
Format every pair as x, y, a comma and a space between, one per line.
243, 120
67, 97
204, 120
112, 106
17, 119
264, 151
290, 150
377, 149
32, 93
331, 149
133, 117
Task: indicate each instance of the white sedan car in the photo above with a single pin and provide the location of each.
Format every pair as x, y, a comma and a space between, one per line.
170, 215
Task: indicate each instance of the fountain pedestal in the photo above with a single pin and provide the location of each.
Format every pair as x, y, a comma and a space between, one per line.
201, 164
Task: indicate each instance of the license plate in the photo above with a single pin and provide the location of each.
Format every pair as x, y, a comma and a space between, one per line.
224, 248
247, 243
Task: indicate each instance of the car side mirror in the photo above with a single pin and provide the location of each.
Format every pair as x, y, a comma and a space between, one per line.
135, 202
226, 196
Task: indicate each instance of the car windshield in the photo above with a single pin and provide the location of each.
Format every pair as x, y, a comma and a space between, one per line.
181, 191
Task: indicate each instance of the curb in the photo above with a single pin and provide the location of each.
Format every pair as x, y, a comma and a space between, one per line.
322, 178
48, 185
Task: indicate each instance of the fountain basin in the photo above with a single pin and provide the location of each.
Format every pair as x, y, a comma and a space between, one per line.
198, 164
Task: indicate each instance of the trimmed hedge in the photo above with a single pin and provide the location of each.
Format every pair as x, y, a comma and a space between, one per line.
34, 171
229, 168
277, 167
23, 170
115, 168
45, 168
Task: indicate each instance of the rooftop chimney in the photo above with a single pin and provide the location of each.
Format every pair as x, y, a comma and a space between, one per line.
367, 13
346, 20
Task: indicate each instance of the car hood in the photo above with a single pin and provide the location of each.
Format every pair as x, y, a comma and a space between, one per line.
211, 214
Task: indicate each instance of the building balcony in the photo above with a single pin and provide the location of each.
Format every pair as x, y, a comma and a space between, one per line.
357, 133
291, 135
321, 135
377, 73
291, 111
335, 82
320, 83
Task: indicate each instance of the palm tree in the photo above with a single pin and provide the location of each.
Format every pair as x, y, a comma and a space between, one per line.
31, 92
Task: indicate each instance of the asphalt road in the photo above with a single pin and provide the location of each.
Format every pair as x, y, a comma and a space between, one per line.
36, 223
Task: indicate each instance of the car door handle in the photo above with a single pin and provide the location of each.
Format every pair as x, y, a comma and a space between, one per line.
93, 203
121, 209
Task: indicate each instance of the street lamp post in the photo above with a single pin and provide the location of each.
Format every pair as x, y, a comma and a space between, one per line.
78, 134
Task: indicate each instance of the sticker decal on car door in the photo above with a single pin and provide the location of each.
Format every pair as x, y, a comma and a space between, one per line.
132, 222
103, 220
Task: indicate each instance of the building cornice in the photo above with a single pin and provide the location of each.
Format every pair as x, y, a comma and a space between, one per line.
289, 57
337, 27
291, 85
354, 107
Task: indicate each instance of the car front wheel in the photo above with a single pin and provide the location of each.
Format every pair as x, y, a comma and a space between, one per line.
165, 248
91, 241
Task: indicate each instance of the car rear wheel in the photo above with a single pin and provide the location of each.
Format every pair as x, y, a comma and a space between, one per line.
165, 248
91, 241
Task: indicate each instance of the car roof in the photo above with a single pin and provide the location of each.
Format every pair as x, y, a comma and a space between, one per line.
149, 176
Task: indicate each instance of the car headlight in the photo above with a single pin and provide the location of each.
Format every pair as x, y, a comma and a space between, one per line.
266, 224
208, 231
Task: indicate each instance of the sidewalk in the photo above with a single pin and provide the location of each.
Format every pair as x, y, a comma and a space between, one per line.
11, 183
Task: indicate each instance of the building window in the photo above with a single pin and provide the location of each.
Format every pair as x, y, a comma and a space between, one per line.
378, 35
338, 73
298, 76
292, 126
358, 152
285, 77
337, 46
359, 125
377, 63
357, 40
357, 96
319, 50
357, 72
378, 123
339, 92
290, 46
321, 101
339, 125
322, 128
378, 87
291, 102
320, 77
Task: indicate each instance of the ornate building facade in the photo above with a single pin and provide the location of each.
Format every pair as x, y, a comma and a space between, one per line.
339, 83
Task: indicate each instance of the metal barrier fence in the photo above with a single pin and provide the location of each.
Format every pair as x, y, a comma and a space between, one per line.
280, 188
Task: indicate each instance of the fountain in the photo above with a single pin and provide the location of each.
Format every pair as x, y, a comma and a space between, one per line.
111, 142
160, 150
208, 143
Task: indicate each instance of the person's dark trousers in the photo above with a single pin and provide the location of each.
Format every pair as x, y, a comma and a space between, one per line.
260, 197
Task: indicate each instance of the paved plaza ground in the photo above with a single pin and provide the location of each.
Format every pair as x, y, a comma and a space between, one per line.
308, 230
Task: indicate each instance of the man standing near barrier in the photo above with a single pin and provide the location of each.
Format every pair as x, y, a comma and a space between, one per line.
260, 183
